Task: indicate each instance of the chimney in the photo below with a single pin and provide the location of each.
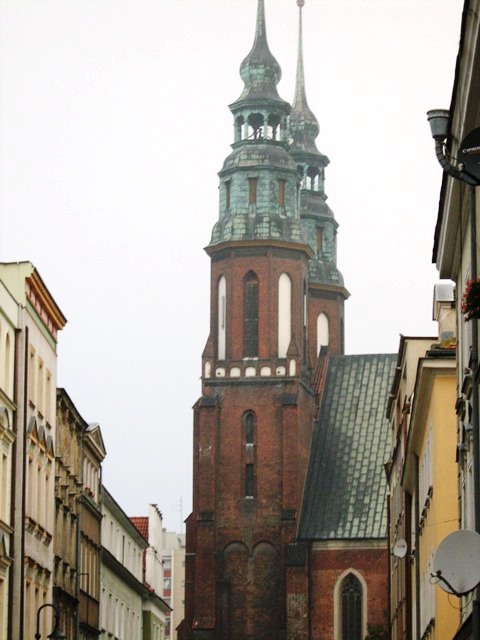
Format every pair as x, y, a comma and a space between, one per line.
444, 313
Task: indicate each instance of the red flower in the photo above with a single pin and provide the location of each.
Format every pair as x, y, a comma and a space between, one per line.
471, 300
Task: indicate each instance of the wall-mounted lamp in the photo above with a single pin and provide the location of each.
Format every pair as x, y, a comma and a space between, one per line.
56, 633
438, 121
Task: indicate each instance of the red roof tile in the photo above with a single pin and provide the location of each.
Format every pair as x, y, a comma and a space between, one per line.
141, 523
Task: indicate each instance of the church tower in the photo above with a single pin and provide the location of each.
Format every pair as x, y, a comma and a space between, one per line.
326, 291
270, 283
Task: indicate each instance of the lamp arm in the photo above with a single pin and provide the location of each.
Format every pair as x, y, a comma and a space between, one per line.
449, 168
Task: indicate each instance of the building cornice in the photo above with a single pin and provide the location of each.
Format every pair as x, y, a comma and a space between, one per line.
44, 304
211, 250
329, 288
350, 545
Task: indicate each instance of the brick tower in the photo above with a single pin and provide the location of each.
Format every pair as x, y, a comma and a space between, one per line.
326, 291
276, 297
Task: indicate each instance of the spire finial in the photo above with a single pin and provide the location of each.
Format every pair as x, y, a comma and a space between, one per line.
300, 96
260, 27
260, 71
303, 123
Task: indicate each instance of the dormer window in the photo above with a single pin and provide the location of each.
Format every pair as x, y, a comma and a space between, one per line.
252, 191
228, 188
281, 193
319, 242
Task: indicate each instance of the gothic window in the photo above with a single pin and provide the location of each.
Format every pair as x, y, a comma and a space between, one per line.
284, 314
221, 310
252, 191
323, 336
250, 315
249, 428
351, 608
249, 481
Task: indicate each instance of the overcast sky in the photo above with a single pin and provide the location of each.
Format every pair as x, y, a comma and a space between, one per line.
113, 126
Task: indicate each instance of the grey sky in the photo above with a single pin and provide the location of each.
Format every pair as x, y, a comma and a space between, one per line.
113, 125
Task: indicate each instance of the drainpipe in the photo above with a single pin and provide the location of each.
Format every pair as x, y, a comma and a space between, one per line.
417, 550
21, 401
16, 444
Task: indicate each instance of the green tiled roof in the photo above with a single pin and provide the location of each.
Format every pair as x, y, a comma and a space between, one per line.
345, 492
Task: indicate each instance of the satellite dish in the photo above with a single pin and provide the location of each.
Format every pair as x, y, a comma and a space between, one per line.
470, 153
400, 549
457, 562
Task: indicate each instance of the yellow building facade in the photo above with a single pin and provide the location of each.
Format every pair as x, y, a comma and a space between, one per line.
431, 478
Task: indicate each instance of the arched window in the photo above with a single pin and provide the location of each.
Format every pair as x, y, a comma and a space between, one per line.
256, 122
222, 321
250, 315
284, 314
351, 608
273, 124
249, 428
323, 333
239, 124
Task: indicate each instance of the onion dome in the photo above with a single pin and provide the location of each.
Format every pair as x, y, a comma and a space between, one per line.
260, 71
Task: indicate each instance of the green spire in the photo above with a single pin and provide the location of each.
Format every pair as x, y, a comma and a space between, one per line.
304, 126
260, 71
258, 180
318, 223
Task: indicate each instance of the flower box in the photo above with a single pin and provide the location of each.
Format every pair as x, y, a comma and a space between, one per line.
471, 300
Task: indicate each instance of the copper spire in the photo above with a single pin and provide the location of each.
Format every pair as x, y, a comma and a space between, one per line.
303, 123
260, 71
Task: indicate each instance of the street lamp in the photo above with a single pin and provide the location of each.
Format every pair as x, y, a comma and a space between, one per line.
56, 633
467, 171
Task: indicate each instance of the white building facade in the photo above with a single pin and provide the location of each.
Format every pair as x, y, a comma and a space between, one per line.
122, 588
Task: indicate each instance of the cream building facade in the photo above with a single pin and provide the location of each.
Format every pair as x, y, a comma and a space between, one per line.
8, 324
39, 321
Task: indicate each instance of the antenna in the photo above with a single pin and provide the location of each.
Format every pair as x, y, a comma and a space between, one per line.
179, 507
457, 562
